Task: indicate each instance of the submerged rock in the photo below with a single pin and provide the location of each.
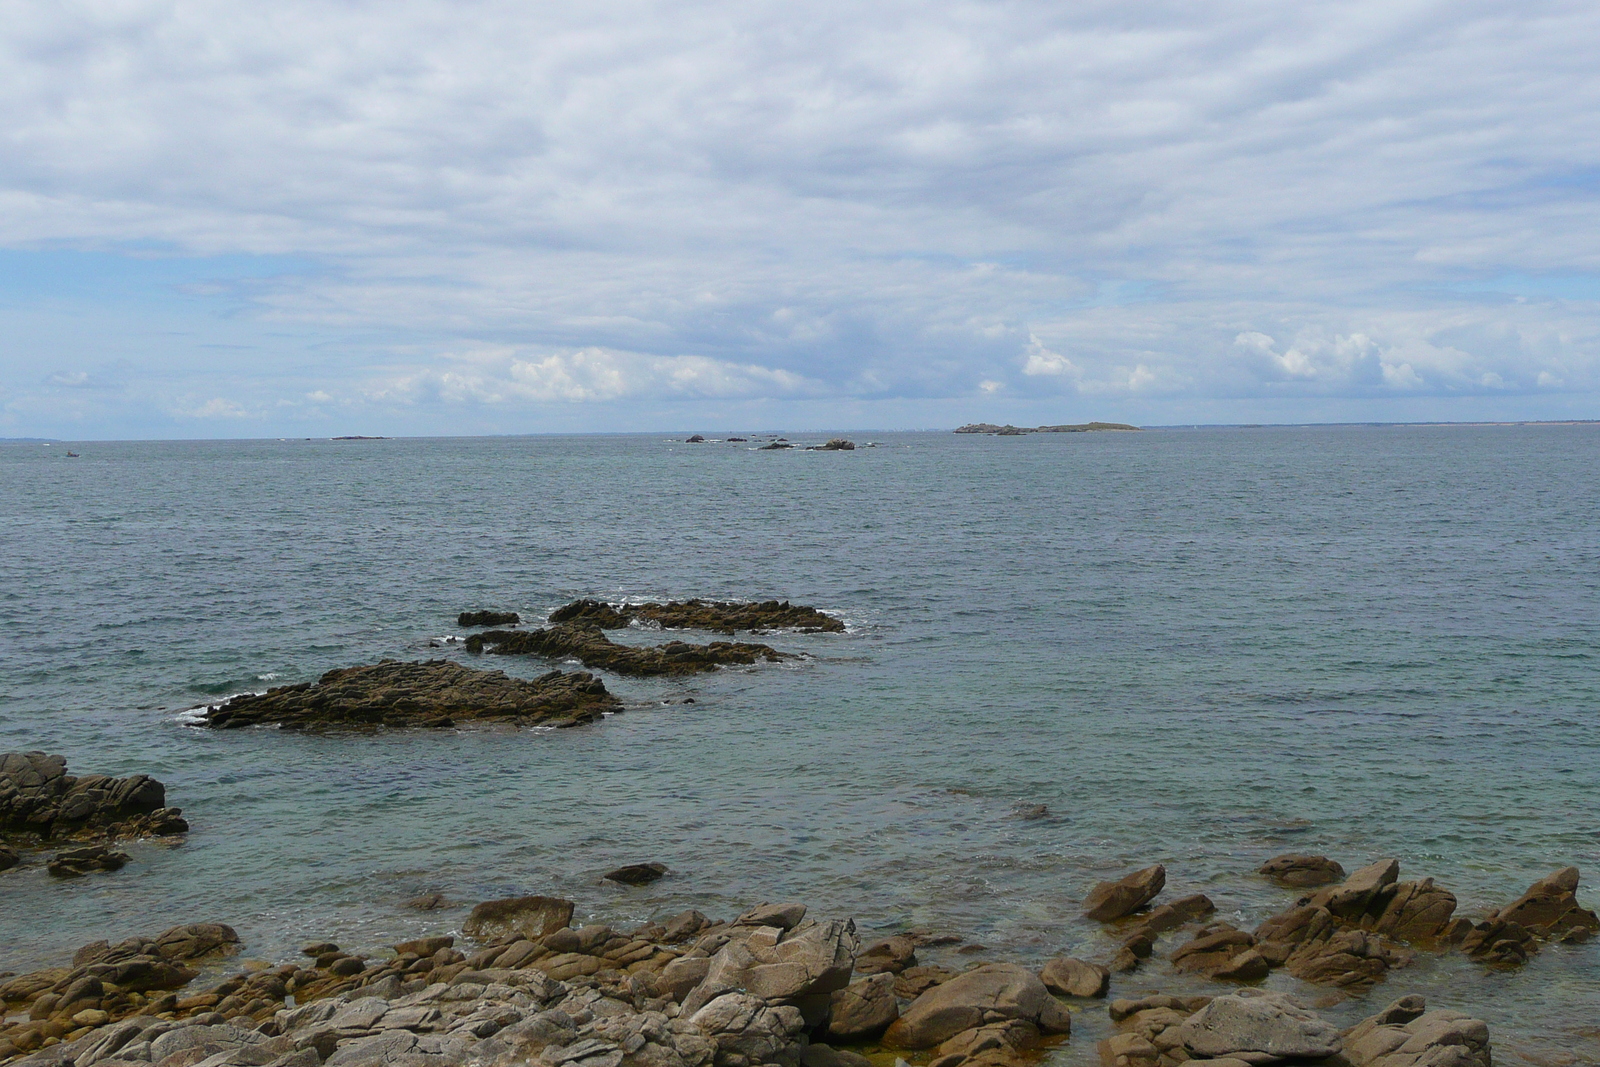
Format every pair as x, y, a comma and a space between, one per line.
532, 916
590, 646
39, 801
435, 693
77, 862
1302, 871
722, 616
488, 618
637, 873
1070, 977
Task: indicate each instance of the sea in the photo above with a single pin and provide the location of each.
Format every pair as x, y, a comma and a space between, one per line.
1196, 647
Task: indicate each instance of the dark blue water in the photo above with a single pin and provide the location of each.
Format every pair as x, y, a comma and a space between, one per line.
1196, 647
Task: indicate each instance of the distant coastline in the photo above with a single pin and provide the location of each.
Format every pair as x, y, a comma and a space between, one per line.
1016, 431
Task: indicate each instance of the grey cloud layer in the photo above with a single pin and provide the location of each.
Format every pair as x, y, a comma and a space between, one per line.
785, 200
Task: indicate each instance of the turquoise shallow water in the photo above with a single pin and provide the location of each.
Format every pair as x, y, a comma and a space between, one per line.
1196, 647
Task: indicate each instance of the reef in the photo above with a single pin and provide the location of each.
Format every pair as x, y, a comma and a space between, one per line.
589, 645
436, 693
717, 616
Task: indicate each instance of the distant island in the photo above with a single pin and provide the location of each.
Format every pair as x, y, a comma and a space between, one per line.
357, 437
1014, 431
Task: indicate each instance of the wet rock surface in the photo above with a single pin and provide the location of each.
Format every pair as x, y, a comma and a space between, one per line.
1550, 909
488, 618
720, 616
637, 873
40, 802
436, 693
1302, 871
86, 859
589, 645
1109, 901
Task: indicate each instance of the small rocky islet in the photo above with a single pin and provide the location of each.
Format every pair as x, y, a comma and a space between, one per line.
44, 809
436, 693
771, 987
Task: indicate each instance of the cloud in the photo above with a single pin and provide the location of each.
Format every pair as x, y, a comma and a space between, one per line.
506, 376
630, 201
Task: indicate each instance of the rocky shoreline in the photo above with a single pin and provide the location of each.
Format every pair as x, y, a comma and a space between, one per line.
773, 986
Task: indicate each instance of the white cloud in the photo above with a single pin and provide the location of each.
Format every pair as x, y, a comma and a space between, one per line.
1037, 360
507, 376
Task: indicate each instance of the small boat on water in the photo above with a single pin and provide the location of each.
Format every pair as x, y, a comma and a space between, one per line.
73, 455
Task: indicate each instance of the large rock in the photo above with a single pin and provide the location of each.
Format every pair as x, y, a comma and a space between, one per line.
1499, 943
1316, 948
891, 955
40, 801
747, 1030
1302, 871
1251, 1021
532, 917
719, 616
1220, 951
862, 1010
814, 959
1351, 897
436, 693
1550, 908
9, 857
1412, 911
590, 646
985, 994
1406, 1034
1114, 900
1070, 977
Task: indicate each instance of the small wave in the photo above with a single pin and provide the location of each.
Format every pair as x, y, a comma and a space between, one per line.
268, 677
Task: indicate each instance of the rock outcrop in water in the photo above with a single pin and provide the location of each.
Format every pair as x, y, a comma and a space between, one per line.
435, 694
589, 645
719, 616
40, 802
488, 618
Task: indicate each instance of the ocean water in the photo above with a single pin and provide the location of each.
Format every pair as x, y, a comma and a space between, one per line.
1197, 647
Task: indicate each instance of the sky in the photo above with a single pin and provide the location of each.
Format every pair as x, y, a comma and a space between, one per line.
251, 220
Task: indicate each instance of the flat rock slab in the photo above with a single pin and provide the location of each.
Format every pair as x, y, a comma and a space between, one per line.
435, 693
589, 645
1255, 1022
721, 616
